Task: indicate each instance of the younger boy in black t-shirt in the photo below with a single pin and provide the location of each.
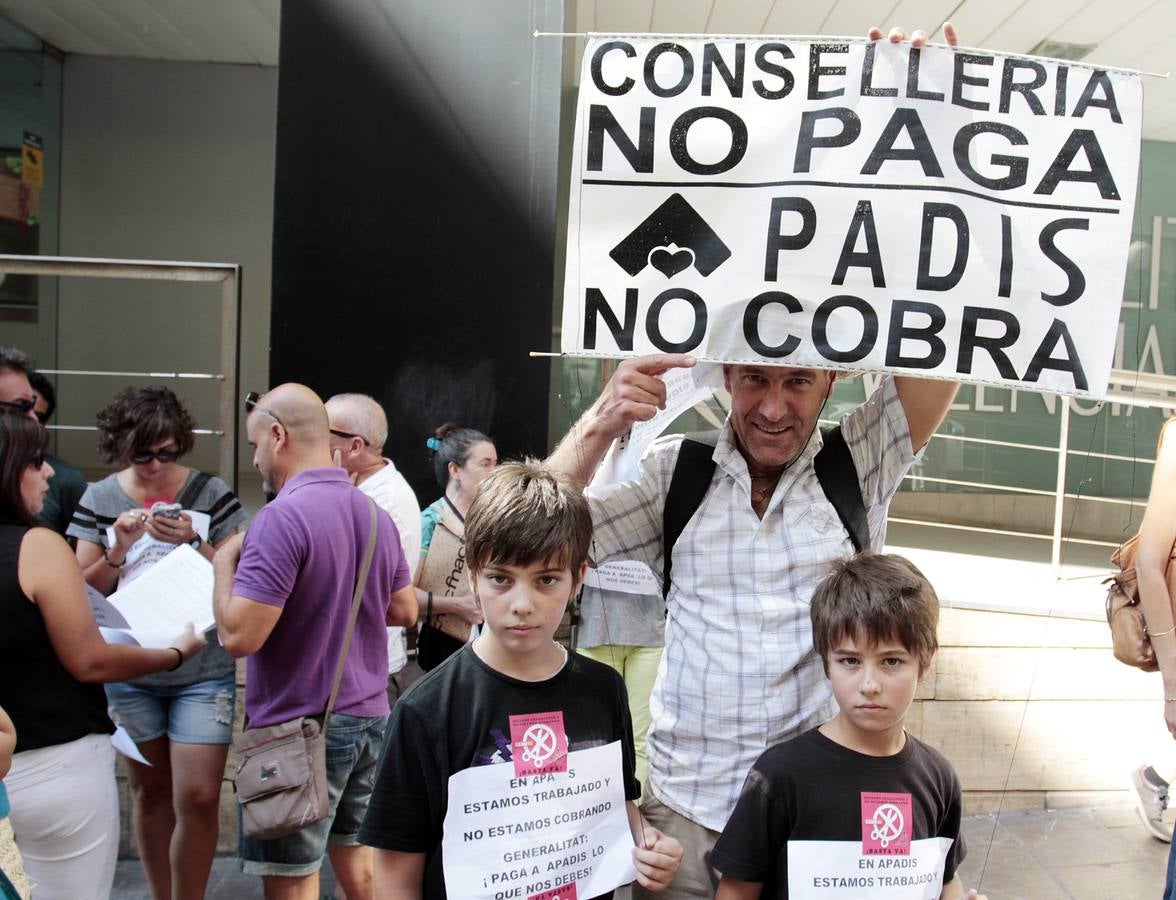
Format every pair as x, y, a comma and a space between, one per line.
856, 807
541, 724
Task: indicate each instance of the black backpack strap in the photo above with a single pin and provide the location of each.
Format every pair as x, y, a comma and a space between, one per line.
688, 485
192, 491
694, 471
839, 480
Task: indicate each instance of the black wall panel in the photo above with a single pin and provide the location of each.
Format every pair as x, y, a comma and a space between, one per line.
414, 213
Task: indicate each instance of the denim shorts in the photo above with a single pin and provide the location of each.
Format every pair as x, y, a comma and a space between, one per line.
200, 713
353, 749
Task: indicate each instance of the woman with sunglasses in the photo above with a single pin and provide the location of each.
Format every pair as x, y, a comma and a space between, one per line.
61, 785
182, 721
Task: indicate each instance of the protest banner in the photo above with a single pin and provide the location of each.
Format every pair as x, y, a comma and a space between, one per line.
560, 830
852, 205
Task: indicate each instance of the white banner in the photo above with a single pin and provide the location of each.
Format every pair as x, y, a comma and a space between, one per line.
557, 835
852, 205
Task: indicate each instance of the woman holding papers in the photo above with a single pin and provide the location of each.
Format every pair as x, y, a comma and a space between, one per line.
52, 660
182, 721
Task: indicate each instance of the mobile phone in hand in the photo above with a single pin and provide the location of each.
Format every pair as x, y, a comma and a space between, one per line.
166, 510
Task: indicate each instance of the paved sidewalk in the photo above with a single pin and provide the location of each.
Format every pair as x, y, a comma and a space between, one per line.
1084, 854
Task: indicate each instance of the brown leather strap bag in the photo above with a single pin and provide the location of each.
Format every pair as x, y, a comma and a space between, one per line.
1129, 635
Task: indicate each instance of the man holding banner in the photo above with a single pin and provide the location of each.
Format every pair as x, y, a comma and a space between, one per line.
868, 130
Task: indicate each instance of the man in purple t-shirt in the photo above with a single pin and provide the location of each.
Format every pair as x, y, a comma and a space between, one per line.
283, 598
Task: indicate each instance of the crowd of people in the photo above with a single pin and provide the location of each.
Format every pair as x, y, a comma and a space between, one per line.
520, 534
760, 749
778, 707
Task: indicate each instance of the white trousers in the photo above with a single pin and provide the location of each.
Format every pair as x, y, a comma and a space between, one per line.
65, 817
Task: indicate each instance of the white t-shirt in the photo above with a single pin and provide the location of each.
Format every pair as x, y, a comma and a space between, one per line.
392, 494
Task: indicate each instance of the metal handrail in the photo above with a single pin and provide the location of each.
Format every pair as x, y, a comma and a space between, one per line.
1146, 390
228, 275
1013, 489
200, 431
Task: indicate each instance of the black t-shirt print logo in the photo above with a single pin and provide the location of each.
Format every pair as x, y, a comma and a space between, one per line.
671, 239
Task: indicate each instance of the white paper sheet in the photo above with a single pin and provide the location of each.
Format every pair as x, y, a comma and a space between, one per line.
684, 388
127, 747
159, 603
629, 576
106, 616
507, 836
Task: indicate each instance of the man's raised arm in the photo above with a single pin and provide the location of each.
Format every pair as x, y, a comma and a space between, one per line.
925, 402
634, 394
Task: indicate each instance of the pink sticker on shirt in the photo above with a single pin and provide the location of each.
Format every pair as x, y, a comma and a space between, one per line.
566, 892
538, 743
886, 824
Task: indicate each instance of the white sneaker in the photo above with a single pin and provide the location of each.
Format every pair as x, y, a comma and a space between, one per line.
1151, 799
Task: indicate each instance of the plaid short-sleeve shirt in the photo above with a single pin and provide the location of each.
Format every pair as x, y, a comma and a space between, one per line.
739, 673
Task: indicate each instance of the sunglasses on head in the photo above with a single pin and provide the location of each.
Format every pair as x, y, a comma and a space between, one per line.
347, 435
24, 407
166, 455
251, 404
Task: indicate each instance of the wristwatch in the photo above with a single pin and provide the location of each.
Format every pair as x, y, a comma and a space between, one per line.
196, 543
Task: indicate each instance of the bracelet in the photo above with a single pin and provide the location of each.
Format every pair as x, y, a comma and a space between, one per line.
1156, 634
429, 606
110, 562
179, 661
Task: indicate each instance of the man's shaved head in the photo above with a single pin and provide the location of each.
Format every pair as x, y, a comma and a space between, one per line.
289, 433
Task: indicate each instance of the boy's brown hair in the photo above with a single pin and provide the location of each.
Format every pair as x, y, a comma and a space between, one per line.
526, 512
876, 597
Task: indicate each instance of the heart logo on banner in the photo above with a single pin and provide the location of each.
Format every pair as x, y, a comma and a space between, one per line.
671, 260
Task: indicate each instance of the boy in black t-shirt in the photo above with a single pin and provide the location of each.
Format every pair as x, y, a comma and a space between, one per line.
856, 807
479, 750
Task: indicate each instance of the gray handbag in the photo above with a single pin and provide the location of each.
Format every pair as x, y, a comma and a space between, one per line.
281, 776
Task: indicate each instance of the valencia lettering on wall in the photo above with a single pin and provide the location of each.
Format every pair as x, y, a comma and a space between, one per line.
852, 205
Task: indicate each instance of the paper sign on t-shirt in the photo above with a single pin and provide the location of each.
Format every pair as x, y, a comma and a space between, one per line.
886, 863
553, 835
147, 551
839, 870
